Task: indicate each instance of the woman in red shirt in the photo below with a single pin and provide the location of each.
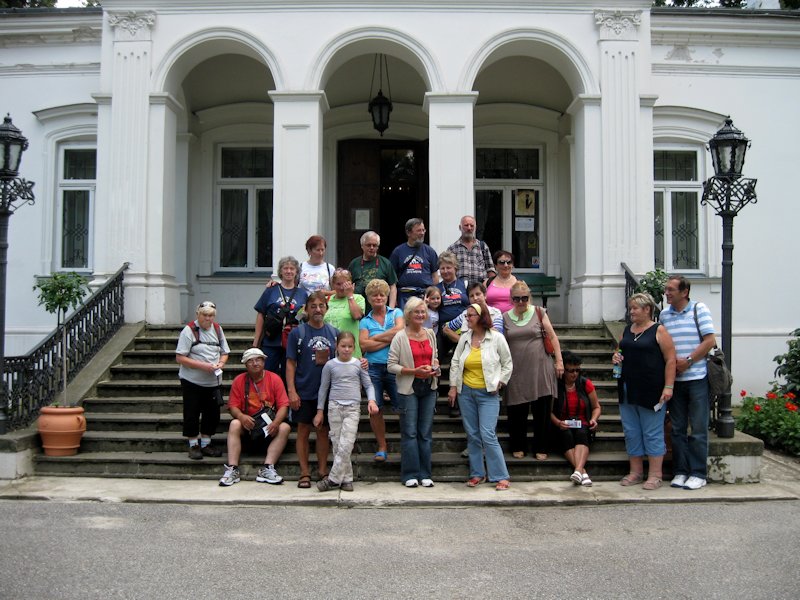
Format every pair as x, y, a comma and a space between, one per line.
576, 410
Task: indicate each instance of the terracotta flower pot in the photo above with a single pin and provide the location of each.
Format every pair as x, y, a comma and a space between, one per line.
61, 429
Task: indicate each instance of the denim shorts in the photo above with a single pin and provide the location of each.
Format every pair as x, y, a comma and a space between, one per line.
644, 430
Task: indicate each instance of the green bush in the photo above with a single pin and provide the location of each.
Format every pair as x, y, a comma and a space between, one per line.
789, 367
773, 418
653, 283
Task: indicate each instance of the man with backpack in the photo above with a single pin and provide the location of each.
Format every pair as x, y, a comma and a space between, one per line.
690, 325
309, 347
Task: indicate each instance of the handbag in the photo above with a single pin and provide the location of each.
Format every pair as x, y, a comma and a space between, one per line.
548, 343
263, 418
720, 379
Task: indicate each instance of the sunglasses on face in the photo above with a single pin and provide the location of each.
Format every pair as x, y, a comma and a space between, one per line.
520, 298
503, 262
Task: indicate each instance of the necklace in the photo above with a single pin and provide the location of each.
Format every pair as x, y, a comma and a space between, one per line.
636, 336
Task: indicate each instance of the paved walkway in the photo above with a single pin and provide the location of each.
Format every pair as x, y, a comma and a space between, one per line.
780, 481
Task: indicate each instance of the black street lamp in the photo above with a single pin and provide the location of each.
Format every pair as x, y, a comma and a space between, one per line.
16, 192
727, 192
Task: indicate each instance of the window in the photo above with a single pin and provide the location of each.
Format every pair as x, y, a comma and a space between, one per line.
244, 192
507, 210
76, 187
676, 204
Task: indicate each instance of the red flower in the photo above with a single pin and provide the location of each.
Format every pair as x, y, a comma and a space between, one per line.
743, 393
791, 407
771, 395
756, 407
791, 396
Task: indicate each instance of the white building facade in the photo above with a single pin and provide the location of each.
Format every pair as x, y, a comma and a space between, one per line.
201, 140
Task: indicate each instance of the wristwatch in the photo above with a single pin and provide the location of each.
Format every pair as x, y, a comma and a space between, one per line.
690, 359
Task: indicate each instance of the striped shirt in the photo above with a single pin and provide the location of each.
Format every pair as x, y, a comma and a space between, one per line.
682, 328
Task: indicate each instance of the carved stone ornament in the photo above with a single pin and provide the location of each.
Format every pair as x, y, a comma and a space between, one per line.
618, 25
137, 26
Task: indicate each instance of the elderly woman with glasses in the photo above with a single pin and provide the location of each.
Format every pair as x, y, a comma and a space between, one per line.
576, 410
480, 368
531, 388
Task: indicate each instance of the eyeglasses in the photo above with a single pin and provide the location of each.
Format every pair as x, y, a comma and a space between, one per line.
503, 262
572, 370
520, 298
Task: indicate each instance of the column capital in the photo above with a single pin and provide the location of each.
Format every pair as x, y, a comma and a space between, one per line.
132, 26
299, 97
618, 24
443, 98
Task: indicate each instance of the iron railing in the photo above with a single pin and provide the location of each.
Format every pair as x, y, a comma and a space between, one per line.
33, 380
631, 283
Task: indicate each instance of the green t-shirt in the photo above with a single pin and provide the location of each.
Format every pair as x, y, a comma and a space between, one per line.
364, 272
339, 316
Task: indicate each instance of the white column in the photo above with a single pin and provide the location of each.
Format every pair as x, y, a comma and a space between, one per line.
451, 164
585, 292
163, 294
297, 194
123, 145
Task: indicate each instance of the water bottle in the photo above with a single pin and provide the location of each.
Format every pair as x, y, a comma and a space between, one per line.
616, 372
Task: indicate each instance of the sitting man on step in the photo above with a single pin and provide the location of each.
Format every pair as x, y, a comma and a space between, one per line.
252, 426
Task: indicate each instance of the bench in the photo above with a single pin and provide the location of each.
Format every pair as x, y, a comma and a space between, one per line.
541, 285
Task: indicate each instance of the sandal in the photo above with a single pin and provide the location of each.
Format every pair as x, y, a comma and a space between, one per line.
475, 481
576, 477
631, 479
304, 482
380, 456
652, 483
518, 454
502, 485
586, 481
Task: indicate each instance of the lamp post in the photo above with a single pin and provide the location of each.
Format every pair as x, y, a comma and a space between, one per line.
16, 192
727, 192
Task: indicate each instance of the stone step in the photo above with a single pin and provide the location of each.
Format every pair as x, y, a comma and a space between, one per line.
602, 466
172, 441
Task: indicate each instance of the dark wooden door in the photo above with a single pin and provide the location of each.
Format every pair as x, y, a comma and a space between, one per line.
381, 184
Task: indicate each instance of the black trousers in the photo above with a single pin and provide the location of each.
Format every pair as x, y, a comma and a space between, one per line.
518, 425
199, 401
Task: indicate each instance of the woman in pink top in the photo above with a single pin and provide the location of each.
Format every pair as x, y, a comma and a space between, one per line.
498, 289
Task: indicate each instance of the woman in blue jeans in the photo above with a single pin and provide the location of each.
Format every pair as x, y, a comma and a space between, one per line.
413, 360
375, 332
480, 368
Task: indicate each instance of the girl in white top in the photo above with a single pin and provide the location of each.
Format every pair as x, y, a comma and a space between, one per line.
315, 273
344, 377
433, 299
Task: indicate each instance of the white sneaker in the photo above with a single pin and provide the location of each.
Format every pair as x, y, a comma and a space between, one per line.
427, 483
268, 474
412, 483
230, 476
694, 483
678, 481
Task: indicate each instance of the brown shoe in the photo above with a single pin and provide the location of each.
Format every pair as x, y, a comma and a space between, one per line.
195, 453
211, 451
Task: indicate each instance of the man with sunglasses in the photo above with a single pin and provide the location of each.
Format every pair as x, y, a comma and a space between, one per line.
474, 259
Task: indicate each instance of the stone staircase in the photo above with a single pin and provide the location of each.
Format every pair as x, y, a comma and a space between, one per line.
134, 417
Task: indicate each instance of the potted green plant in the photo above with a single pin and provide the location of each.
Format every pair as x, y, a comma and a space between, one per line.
61, 426
653, 283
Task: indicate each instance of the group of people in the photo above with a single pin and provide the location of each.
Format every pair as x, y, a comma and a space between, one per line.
385, 326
